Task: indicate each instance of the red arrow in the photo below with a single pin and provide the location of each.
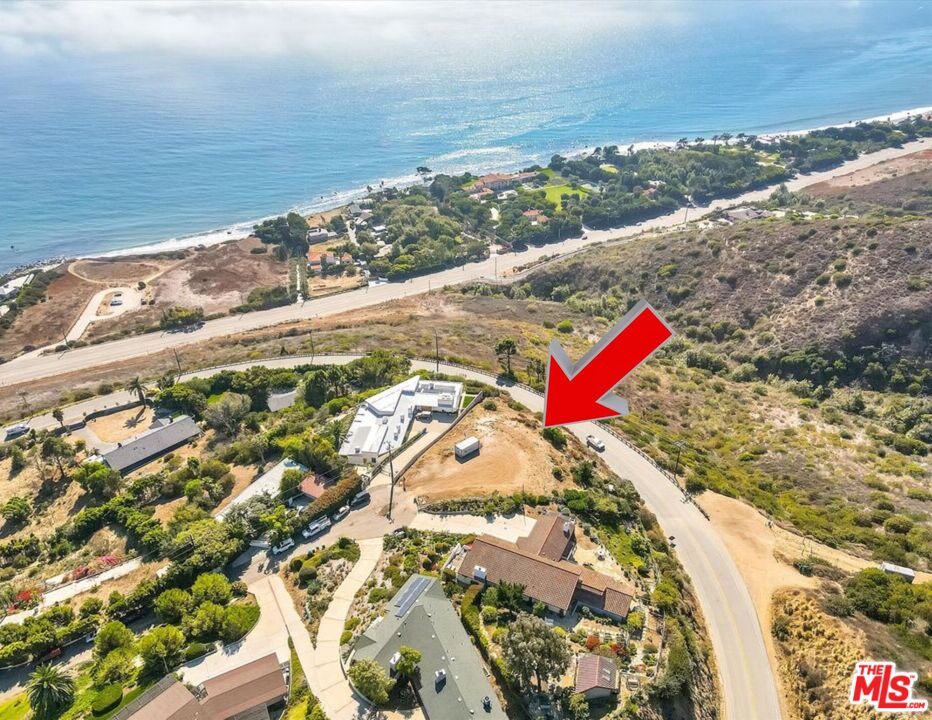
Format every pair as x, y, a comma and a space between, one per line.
584, 391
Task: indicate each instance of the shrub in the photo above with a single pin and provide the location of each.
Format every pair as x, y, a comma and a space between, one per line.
107, 699
195, 650
555, 436
565, 326
345, 637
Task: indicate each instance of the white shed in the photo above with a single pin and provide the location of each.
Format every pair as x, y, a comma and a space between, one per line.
466, 447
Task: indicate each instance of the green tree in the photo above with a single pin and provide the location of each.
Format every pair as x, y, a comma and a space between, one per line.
212, 587
206, 622
179, 317
506, 349
289, 232
161, 648
57, 450
577, 708
173, 605
278, 524
371, 680
50, 690
237, 621
532, 649
407, 665
59, 416
16, 510
290, 480
98, 479
116, 667
228, 412
112, 636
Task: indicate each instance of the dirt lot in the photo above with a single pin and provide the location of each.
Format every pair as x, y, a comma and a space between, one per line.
881, 171
46, 323
513, 457
219, 277
122, 425
120, 270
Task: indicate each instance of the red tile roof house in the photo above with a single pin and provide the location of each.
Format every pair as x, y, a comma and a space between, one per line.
535, 216
539, 563
313, 486
596, 677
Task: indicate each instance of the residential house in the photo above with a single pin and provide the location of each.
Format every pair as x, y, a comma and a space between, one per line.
152, 444
314, 485
382, 421
503, 181
248, 692
452, 683
596, 677
320, 234
536, 217
539, 563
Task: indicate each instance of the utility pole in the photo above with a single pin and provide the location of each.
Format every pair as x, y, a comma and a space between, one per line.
676, 465
177, 361
310, 335
391, 486
437, 350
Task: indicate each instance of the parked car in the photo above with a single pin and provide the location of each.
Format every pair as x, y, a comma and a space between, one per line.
340, 514
594, 442
360, 499
284, 545
15, 431
319, 526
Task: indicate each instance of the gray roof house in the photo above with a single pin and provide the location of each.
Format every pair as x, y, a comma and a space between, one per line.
151, 444
453, 684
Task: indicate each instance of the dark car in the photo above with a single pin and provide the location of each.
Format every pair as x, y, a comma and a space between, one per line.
360, 499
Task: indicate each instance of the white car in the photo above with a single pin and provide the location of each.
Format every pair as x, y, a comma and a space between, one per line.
15, 431
594, 442
284, 545
340, 514
316, 528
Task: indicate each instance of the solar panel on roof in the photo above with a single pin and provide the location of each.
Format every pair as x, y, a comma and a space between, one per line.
410, 596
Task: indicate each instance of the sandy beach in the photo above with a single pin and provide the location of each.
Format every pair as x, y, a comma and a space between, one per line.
340, 198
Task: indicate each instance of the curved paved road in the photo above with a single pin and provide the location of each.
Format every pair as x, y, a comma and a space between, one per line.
33, 366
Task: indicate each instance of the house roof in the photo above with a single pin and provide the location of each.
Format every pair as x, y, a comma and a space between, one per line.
543, 579
253, 684
422, 617
552, 536
557, 583
595, 671
168, 699
151, 444
313, 485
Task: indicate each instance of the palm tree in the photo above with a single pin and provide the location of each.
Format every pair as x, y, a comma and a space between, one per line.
136, 386
50, 690
60, 416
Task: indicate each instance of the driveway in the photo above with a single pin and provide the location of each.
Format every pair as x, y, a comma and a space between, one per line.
326, 676
132, 300
269, 635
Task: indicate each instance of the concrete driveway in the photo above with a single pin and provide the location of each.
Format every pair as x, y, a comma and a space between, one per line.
504, 528
269, 635
328, 681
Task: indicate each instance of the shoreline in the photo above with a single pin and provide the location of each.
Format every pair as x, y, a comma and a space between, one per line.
339, 198
35, 365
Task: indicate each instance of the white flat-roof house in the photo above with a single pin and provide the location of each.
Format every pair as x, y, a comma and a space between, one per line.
382, 421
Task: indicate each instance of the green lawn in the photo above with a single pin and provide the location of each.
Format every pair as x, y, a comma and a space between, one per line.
608, 168
467, 399
16, 708
554, 193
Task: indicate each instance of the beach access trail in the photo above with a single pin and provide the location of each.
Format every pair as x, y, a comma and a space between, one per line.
34, 366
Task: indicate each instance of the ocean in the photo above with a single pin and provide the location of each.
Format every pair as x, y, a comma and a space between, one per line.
104, 148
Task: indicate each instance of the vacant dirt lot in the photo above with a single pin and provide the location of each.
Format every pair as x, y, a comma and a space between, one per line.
46, 323
881, 171
219, 277
122, 425
120, 270
513, 457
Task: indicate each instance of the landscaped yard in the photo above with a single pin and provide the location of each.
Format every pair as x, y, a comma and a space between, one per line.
554, 193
